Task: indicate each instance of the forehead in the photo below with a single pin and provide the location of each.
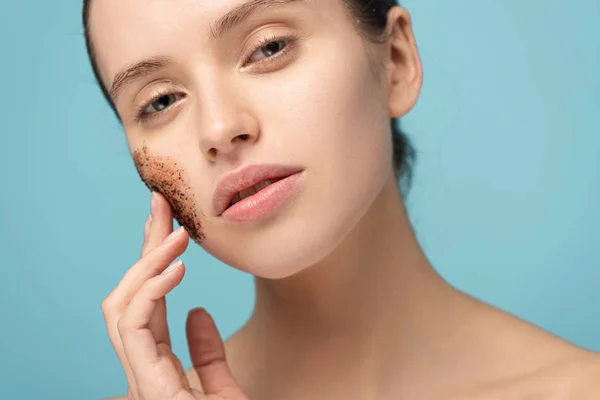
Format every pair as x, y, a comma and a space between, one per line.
124, 32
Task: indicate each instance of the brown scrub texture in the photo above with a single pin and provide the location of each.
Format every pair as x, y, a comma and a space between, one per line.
163, 175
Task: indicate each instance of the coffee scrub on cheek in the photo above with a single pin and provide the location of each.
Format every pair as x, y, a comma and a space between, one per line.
163, 175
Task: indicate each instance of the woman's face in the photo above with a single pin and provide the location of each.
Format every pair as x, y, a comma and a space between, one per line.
285, 82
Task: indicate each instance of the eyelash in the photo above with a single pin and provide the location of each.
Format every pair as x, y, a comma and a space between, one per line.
290, 41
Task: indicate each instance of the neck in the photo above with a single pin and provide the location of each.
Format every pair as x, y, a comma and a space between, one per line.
349, 310
374, 316
378, 268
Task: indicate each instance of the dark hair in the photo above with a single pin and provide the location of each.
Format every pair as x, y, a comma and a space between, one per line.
371, 16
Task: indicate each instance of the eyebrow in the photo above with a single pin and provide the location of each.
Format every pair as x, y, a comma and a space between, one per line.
217, 30
136, 71
242, 12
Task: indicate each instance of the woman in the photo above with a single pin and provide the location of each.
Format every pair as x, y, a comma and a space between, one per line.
263, 127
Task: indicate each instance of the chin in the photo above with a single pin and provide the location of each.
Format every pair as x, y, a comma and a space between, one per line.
305, 232
284, 249
292, 242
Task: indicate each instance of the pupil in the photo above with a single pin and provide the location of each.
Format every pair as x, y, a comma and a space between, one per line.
162, 102
272, 48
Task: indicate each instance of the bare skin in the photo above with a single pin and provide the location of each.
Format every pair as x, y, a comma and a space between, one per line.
520, 362
348, 306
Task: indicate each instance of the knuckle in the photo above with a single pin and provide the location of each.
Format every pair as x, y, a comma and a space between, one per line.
122, 325
108, 305
149, 287
163, 348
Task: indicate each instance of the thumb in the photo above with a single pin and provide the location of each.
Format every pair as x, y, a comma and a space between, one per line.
207, 353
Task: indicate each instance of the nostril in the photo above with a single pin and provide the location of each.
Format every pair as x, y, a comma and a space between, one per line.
243, 137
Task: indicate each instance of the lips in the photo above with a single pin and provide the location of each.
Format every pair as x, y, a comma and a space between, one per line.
247, 181
241, 195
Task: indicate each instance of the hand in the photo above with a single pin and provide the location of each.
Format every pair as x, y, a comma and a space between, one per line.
135, 316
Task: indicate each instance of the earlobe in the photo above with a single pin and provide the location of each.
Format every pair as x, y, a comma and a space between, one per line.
405, 74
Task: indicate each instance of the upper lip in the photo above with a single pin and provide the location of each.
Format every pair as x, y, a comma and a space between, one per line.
244, 178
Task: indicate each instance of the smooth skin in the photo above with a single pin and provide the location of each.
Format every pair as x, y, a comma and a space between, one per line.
135, 315
347, 304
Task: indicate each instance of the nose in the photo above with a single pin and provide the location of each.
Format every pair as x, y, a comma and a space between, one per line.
226, 126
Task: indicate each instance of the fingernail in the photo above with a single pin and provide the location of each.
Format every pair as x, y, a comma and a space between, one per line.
172, 267
154, 203
174, 235
147, 226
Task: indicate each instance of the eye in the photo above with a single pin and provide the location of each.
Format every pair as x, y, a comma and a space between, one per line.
268, 48
161, 103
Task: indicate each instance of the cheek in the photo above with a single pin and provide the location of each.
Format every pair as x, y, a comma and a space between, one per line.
326, 113
165, 176
350, 116
334, 116
328, 104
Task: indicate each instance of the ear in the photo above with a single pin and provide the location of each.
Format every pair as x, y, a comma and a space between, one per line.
404, 70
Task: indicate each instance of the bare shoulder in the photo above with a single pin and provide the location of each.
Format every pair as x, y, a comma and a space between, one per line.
580, 378
577, 378
574, 378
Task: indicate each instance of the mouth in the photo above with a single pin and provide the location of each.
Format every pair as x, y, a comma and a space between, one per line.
262, 199
239, 196
252, 181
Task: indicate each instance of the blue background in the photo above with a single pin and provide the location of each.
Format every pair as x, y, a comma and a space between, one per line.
505, 200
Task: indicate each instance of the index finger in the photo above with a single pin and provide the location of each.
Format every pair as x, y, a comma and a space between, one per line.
160, 225
150, 265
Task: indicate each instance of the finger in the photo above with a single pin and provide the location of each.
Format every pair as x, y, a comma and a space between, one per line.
154, 372
166, 352
116, 303
161, 225
207, 353
179, 366
147, 267
152, 264
147, 227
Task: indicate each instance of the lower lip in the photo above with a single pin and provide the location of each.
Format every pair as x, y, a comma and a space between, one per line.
262, 203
